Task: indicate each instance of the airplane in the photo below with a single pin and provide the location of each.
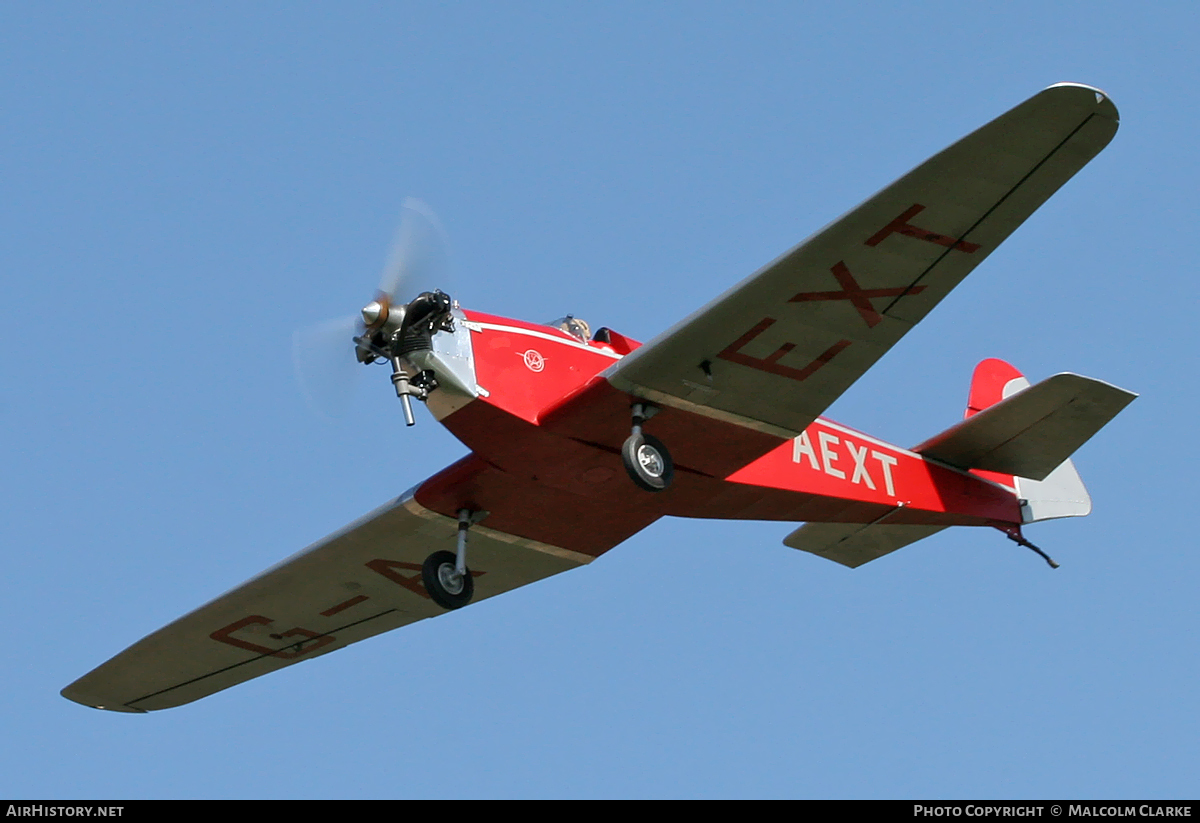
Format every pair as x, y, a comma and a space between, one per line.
579, 441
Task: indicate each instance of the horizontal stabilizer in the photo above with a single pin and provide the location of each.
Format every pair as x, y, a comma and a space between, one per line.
1032, 432
853, 544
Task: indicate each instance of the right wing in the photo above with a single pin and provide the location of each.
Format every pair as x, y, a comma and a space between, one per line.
359, 582
776, 350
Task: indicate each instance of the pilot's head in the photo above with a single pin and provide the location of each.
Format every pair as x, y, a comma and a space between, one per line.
579, 329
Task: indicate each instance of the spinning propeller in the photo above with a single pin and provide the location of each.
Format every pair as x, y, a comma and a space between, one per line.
394, 327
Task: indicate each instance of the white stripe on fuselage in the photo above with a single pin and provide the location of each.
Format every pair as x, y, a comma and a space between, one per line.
542, 335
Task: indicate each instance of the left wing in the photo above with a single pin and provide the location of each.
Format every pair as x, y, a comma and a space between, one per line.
775, 351
359, 582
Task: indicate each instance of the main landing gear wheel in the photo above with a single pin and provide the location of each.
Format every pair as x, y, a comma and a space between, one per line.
445, 585
648, 462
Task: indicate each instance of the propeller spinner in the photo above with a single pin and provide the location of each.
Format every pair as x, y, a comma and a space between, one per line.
388, 328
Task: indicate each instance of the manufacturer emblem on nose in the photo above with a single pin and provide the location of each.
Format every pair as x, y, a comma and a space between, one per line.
534, 360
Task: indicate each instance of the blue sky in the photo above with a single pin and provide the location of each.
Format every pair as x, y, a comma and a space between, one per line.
185, 186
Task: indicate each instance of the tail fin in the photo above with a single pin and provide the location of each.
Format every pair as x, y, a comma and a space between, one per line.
1022, 435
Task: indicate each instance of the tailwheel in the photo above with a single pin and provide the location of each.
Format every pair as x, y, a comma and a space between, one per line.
449, 588
648, 462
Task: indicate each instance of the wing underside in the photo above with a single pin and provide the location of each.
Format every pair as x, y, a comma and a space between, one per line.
359, 582
776, 350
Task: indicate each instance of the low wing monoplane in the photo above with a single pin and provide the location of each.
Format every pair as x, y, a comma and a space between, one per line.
578, 441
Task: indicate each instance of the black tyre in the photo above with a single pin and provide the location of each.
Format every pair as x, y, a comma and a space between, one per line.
648, 462
447, 588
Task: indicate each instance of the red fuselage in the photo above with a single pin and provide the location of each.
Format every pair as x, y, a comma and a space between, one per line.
545, 434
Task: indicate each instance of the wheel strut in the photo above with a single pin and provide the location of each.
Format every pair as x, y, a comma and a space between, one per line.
460, 558
641, 413
446, 576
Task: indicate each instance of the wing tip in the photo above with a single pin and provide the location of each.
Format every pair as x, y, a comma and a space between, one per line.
1103, 104
93, 701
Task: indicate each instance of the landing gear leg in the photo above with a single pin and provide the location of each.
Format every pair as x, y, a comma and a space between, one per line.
446, 576
646, 459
